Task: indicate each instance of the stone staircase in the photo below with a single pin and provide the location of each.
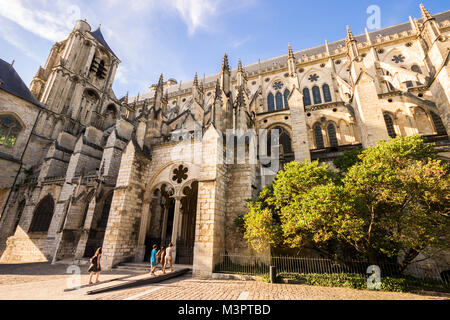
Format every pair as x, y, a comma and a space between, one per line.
136, 267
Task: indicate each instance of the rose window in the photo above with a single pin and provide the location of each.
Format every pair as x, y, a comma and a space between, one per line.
313, 78
180, 174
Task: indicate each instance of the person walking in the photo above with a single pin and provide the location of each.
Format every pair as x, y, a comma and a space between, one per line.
162, 256
169, 258
153, 261
95, 267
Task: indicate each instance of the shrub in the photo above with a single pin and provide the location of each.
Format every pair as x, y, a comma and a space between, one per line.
359, 281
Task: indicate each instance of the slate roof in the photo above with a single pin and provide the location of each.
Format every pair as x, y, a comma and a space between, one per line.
11, 82
97, 34
299, 54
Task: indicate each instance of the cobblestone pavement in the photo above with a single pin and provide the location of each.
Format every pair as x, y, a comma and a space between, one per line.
47, 282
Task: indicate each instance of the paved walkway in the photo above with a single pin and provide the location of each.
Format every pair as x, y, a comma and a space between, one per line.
47, 282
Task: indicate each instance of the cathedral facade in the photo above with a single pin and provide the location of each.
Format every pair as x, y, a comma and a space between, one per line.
81, 168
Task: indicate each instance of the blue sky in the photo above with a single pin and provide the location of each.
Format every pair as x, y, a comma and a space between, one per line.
181, 37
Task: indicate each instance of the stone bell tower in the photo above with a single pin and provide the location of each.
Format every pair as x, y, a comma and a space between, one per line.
79, 72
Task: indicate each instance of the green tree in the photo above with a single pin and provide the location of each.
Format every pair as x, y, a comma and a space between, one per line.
348, 160
283, 216
400, 191
393, 201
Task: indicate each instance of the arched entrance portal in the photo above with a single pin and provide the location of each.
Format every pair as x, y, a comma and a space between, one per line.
172, 220
162, 213
186, 240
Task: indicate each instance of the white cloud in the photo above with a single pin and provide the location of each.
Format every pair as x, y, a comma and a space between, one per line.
9, 34
196, 13
49, 20
131, 27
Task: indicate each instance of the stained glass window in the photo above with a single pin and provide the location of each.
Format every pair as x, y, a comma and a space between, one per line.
278, 85
313, 78
332, 135
316, 95
318, 136
390, 125
326, 92
9, 130
306, 97
398, 58
270, 102
279, 100
286, 97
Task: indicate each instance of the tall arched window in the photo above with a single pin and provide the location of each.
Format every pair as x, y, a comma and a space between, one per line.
43, 215
279, 101
332, 135
286, 97
286, 153
101, 70
20, 209
390, 125
270, 102
9, 130
318, 136
105, 212
306, 97
438, 125
316, 95
326, 92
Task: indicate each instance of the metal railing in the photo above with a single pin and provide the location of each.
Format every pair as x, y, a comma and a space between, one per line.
260, 265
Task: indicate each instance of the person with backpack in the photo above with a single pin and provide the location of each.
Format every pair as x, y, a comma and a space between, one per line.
95, 267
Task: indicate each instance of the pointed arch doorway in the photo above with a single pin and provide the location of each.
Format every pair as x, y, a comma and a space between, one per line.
173, 220
188, 217
162, 212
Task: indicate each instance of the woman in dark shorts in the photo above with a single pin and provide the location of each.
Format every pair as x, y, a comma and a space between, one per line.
95, 266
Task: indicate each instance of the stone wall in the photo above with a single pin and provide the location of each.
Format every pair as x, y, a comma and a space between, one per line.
121, 237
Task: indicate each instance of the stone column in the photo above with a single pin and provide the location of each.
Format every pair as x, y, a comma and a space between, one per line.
300, 141
164, 227
145, 220
176, 224
210, 221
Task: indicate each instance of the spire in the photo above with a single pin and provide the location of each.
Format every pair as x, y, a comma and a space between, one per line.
291, 53
225, 65
240, 69
368, 37
327, 47
161, 81
413, 24
196, 80
350, 37
425, 14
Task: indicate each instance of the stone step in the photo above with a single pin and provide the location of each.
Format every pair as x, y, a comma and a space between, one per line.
138, 280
